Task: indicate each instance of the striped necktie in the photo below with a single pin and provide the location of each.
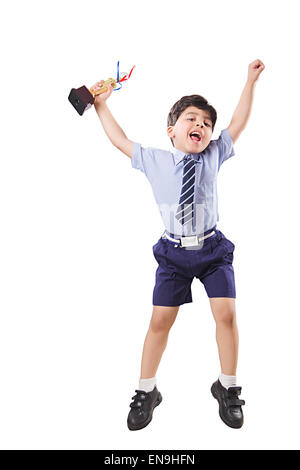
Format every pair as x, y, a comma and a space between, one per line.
185, 211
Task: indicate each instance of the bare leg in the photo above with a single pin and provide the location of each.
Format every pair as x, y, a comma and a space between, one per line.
156, 339
223, 310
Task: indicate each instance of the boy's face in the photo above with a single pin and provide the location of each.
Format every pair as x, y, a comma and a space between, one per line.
191, 120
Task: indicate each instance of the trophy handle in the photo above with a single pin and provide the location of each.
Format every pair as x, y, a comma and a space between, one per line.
104, 86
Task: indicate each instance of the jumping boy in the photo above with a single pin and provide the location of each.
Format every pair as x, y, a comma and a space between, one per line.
184, 186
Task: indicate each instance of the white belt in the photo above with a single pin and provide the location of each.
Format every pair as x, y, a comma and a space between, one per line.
188, 241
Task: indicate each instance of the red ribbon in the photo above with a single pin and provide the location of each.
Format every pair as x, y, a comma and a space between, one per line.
125, 76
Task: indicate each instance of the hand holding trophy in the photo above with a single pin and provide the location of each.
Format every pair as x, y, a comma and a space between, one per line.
83, 98
102, 90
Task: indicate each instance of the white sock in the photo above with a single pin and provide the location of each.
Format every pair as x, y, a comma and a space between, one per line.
227, 380
147, 384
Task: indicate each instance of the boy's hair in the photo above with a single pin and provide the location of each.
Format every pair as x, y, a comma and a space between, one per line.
192, 100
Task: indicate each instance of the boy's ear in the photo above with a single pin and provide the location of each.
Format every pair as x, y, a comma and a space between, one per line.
170, 131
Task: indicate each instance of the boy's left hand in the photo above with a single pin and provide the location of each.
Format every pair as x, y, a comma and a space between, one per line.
254, 70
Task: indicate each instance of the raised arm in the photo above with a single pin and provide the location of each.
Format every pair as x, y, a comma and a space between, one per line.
242, 112
112, 129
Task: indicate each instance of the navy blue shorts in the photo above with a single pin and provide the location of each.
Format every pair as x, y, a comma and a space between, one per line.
212, 264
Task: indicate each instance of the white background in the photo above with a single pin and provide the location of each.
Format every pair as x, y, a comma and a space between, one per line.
78, 223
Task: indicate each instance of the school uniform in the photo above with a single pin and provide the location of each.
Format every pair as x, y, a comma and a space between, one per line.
185, 190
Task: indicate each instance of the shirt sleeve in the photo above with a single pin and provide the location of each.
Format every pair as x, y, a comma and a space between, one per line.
225, 146
144, 159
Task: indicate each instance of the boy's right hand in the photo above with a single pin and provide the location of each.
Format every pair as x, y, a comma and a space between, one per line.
100, 99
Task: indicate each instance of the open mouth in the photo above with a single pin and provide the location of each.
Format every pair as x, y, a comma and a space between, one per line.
195, 136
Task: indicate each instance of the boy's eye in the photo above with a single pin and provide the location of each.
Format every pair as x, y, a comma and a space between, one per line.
206, 123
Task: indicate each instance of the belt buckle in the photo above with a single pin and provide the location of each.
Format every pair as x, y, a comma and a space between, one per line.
189, 241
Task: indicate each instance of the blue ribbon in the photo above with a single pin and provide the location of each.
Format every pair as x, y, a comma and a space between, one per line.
118, 78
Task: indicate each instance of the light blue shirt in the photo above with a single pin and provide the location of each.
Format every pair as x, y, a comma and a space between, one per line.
164, 171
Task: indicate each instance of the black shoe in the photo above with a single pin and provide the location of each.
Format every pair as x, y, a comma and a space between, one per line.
142, 408
230, 410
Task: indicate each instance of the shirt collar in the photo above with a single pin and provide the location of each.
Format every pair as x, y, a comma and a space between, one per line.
179, 156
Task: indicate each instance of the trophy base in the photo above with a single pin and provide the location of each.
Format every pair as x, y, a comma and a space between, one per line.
81, 99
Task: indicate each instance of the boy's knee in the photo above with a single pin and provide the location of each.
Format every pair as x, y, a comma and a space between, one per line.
162, 319
226, 316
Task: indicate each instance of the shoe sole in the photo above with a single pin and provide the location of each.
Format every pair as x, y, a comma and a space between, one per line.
143, 425
215, 395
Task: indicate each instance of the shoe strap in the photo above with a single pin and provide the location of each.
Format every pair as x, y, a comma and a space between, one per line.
139, 398
233, 393
235, 402
236, 390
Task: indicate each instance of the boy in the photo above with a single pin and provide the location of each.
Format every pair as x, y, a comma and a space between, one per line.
184, 186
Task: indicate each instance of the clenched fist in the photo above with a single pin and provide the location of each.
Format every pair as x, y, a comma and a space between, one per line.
254, 70
99, 99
